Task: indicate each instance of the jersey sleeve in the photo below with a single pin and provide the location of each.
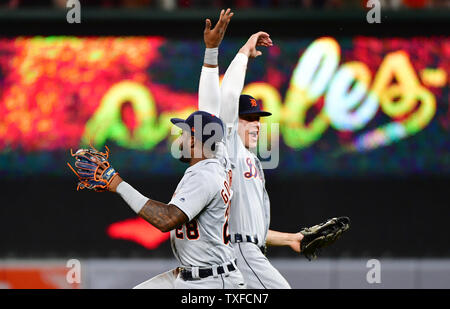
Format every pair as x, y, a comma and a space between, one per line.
194, 194
231, 89
209, 91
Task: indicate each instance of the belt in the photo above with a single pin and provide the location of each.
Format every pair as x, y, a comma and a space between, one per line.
187, 274
247, 238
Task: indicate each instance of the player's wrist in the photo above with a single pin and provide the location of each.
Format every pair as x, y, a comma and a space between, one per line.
293, 238
132, 196
245, 50
114, 183
211, 56
211, 45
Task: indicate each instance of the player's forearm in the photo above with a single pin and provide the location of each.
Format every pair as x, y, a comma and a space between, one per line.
209, 90
231, 89
162, 216
275, 238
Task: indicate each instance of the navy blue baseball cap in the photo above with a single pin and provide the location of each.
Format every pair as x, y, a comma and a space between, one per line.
198, 122
249, 105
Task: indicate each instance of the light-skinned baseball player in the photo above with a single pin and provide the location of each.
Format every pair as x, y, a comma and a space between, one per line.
250, 206
196, 216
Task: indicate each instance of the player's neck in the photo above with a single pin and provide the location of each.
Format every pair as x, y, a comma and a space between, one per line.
196, 160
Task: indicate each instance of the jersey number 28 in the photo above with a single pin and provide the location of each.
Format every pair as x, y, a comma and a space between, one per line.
191, 231
192, 226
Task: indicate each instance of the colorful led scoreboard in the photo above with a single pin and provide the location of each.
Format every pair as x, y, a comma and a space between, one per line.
353, 106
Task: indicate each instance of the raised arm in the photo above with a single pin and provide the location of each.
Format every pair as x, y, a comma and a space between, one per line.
209, 90
233, 80
232, 85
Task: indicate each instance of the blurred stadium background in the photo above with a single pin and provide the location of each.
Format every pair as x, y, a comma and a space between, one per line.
118, 76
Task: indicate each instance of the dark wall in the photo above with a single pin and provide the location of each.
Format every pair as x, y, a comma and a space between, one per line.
390, 218
190, 23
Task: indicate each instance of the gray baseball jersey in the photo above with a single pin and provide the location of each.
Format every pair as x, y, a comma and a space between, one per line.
250, 215
204, 195
250, 206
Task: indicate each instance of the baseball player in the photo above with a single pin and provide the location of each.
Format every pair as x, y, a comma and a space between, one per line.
250, 206
166, 280
196, 216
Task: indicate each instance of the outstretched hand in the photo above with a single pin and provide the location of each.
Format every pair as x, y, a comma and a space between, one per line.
213, 37
102, 166
258, 39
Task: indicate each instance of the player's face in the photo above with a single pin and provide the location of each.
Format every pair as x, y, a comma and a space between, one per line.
184, 141
248, 129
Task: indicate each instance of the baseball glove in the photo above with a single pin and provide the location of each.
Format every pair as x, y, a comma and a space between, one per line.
322, 235
92, 168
